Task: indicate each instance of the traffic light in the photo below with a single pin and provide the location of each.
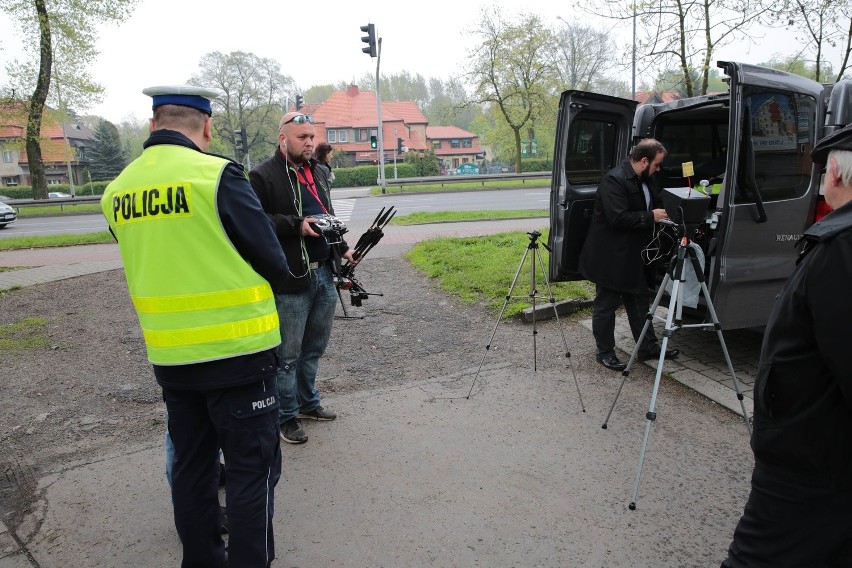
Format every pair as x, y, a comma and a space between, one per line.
374, 142
300, 100
241, 140
399, 145
370, 40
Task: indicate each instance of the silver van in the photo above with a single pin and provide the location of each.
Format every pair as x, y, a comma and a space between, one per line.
752, 145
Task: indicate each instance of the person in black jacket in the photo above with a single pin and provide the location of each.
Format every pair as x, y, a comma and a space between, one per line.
801, 488
623, 225
291, 189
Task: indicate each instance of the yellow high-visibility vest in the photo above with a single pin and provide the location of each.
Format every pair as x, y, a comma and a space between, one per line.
197, 299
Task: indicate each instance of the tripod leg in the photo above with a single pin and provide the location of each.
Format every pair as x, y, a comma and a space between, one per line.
626, 371
651, 415
559, 325
718, 328
499, 317
533, 295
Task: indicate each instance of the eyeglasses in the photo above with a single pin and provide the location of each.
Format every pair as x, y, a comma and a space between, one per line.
301, 119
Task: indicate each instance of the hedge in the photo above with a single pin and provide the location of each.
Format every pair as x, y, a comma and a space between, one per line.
367, 175
26, 191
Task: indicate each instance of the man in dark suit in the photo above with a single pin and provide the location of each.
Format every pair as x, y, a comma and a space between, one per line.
626, 210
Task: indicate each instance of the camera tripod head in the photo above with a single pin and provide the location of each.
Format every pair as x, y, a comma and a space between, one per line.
534, 235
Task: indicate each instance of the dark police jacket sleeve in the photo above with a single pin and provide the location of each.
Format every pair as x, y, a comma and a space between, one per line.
803, 391
621, 228
249, 228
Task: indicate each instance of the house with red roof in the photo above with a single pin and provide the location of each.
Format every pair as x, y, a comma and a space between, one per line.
348, 119
60, 145
454, 146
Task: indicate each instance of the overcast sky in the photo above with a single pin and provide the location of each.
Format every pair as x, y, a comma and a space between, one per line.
316, 43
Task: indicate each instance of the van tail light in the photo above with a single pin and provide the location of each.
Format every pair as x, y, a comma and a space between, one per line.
822, 209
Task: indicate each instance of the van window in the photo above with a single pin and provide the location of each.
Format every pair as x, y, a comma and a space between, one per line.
781, 127
701, 142
591, 150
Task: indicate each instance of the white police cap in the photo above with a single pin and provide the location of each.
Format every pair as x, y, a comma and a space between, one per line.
183, 95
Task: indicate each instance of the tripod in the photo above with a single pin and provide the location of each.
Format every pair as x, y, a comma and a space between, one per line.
533, 295
675, 273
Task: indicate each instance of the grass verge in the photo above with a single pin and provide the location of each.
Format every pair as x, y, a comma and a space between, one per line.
440, 216
25, 334
45, 210
14, 243
481, 269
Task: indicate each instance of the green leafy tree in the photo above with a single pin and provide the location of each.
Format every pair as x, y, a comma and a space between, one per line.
133, 133
106, 155
254, 95
511, 70
60, 37
425, 164
797, 65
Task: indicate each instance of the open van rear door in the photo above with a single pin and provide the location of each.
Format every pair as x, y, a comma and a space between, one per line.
769, 191
593, 134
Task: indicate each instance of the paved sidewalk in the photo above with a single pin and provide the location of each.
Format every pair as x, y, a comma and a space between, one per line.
83, 492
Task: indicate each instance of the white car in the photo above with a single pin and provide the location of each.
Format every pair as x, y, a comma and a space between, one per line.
7, 215
58, 195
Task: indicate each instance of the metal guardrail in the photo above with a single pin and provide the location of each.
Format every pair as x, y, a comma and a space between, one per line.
466, 178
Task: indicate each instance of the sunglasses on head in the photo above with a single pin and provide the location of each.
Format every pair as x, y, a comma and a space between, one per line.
301, 119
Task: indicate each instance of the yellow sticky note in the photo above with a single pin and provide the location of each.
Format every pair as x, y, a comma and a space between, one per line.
688, 170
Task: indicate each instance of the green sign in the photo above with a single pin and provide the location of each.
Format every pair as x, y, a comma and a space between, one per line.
525, 145
467, 169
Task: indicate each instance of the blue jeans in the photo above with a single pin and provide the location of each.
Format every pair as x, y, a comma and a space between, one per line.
306, 319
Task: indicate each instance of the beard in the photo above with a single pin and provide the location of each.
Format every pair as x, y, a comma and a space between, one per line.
645, 176
298, 159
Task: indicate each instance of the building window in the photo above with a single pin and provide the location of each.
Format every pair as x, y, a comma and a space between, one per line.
10, 181
332, 136
466, 143
341, 136
363, 135
8, 156
436, 144
53, 182
454, 143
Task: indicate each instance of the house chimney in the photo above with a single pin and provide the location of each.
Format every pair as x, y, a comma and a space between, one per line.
352, 90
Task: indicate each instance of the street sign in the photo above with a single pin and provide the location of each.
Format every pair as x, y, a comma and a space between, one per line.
467, 169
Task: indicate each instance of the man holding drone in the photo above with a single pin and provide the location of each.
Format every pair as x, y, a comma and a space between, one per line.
297, 200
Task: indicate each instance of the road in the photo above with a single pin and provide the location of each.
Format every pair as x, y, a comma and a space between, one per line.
354, 210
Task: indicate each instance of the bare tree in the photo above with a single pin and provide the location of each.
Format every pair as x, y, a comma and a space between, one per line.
582, 55
822, 25
684, 33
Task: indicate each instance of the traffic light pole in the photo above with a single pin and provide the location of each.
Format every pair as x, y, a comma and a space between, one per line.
382, 180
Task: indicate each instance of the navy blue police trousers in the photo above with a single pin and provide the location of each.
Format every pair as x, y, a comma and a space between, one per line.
243, 422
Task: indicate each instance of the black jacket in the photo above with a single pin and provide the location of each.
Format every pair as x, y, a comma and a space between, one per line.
803, 392
621, 228
277, 187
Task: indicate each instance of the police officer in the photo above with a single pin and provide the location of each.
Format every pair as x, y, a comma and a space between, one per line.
202, 261
801, 488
